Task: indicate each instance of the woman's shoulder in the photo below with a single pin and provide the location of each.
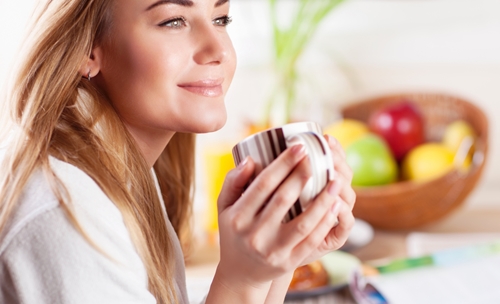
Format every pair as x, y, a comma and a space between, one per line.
44, 258
88, 202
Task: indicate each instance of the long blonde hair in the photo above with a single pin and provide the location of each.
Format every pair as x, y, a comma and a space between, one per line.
56, 112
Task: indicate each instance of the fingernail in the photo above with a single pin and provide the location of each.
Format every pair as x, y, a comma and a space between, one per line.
333, 188
299, 150
332, 140
243, 163
336, 208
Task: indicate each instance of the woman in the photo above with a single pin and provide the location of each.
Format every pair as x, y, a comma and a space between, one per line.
104, 108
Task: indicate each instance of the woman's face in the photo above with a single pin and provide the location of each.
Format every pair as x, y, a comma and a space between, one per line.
166, 65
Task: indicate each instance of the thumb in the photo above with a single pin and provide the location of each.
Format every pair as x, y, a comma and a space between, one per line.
235, 183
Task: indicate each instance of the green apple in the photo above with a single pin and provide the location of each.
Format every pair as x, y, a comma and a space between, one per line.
371, 161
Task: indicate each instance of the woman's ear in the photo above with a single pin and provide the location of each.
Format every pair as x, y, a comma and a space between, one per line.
92, 64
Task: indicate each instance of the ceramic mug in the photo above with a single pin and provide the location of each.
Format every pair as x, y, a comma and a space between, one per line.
265, 146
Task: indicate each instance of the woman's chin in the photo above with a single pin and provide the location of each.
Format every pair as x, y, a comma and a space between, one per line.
209, 124
216, 126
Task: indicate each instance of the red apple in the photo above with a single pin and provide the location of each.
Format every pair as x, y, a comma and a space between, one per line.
401, 125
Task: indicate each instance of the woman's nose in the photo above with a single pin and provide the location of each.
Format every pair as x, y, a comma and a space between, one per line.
212, 45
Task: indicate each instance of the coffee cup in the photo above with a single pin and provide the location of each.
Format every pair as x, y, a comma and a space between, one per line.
266, 146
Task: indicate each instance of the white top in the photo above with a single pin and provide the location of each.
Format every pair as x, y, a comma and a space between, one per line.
43, 259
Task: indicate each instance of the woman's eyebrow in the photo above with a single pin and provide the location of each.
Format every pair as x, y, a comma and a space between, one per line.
178, 2
220, 2
182, 2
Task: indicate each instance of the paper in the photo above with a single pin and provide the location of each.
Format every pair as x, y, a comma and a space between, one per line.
467, 274
418, 243
474, 281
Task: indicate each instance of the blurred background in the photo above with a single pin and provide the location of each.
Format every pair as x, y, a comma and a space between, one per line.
360, 50
367, 48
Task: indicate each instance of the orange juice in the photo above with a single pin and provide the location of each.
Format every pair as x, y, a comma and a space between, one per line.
218, 162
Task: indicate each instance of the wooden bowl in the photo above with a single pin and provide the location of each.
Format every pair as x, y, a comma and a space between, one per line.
409, 204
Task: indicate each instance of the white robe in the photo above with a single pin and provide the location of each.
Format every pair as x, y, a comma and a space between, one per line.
43, 259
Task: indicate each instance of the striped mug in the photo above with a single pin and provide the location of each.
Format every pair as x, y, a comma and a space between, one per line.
265, 146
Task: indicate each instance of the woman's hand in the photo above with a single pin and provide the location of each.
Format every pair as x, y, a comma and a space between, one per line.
338, 234
256, 247
346, 199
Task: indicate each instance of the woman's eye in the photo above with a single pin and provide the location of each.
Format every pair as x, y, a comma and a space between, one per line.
174, 23
223, 21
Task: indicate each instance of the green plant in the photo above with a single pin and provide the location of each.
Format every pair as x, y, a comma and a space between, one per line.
289, 43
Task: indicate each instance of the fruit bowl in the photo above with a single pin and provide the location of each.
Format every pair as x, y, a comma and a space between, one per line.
410, 204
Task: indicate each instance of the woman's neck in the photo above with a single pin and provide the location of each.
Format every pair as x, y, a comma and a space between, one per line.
151, 142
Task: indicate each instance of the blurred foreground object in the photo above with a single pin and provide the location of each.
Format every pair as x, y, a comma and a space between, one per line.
309, 276
409, 204
339, 266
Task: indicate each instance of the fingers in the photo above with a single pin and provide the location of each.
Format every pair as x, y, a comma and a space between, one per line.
303, 226
235, 183
339, 158
335, 146
321, 232
262, 188
338, 235
342, 171
286, 195
347, 193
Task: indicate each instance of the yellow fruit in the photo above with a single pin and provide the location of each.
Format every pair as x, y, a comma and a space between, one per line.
427, 161
346, 131
459, 135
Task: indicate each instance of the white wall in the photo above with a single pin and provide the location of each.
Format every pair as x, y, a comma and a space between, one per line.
365, 47
13, 18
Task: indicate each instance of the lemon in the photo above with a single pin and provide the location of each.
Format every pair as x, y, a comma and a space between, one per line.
455, 133
427, 161
346, 131
459, 137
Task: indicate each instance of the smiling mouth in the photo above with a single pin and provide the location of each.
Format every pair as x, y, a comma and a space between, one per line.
206, 87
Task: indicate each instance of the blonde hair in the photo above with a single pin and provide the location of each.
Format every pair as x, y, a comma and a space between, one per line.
58, 113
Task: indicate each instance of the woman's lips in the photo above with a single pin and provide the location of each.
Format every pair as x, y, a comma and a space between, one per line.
206, 87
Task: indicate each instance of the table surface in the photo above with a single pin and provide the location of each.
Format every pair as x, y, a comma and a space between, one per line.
385, 245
